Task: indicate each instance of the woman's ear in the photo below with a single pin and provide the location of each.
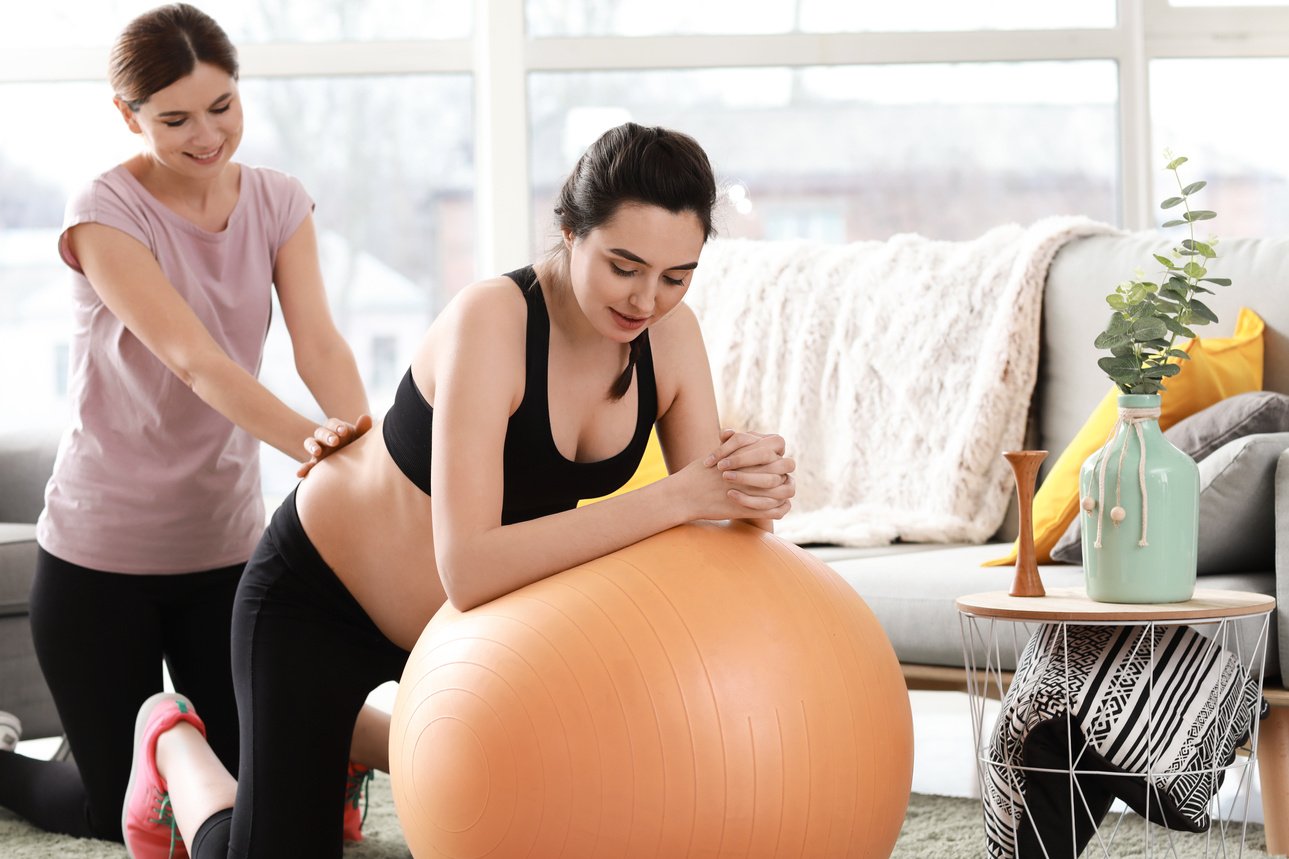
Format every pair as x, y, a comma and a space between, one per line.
568, 238
128, 114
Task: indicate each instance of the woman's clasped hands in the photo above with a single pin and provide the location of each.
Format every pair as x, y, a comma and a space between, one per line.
751, 474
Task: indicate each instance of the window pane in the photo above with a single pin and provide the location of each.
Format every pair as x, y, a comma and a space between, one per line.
1228, 3
663, 17
388, 161
1207, 111
97, 22
851, 153
71, 132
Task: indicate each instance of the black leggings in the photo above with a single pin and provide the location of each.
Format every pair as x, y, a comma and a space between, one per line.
305, 656
100, 638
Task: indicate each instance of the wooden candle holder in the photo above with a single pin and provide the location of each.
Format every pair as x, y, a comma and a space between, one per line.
1025, 465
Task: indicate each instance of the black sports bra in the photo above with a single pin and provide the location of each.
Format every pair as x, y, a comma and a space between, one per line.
538, 479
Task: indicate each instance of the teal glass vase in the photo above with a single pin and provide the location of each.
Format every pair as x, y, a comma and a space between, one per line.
1139, 546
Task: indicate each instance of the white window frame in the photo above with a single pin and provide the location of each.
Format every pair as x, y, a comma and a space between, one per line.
500, 56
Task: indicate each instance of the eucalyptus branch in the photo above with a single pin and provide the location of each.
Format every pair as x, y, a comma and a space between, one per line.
1149, 317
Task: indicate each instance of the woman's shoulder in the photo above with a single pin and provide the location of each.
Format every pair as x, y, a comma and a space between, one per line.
269, 185
269, 177
498, 297
486, 312
116, 183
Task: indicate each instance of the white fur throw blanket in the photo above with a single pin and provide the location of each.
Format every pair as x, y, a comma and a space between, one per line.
898, 372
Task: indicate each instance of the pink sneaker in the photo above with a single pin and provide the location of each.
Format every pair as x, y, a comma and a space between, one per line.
147, 821
356, 791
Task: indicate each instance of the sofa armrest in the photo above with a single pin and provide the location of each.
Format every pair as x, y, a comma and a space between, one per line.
26, 461
1282, 564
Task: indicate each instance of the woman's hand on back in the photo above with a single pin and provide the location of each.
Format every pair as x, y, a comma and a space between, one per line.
329, 438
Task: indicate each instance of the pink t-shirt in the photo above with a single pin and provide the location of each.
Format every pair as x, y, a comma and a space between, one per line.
148, 478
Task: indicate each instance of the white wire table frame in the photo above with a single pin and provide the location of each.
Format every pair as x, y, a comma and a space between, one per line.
1230, 626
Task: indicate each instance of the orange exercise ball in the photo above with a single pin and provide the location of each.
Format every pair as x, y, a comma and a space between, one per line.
710, 691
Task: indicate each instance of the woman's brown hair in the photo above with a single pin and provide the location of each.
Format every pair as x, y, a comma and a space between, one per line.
163, 45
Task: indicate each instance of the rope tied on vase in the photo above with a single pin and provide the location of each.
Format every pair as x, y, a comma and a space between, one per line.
1131, 420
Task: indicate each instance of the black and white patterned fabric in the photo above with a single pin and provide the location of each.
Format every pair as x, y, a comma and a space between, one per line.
1108, 704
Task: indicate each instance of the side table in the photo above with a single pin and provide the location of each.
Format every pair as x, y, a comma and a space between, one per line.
1145, 703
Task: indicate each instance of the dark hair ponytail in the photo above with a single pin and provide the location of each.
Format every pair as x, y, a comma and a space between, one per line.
634, 164
163, 45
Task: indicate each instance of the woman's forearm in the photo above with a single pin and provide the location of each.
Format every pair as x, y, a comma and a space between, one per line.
237, 395
331, 374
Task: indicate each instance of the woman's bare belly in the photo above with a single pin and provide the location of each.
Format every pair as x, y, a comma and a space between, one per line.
373, 528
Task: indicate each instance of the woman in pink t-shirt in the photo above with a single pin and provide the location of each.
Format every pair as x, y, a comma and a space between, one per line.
155, 504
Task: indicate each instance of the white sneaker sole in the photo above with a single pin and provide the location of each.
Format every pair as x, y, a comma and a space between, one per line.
10, 731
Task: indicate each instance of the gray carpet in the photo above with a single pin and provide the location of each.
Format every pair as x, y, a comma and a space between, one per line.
936, 827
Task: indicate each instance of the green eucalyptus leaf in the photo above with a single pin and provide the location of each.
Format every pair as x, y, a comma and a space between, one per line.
1172, 201
1219, 281
1179, 354
1118, 364
1199, 215
1116, 301
1149, 328
1165, 262
1171, 369
1118, 324
1200, 247
1122, 350
1109, 340
1202, 310
1173, 223
1195, 270
1176, 162
1177, 327
1192, 188
1155, 371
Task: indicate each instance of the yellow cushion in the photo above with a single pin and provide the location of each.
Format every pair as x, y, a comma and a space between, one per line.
652, 467
1218, 368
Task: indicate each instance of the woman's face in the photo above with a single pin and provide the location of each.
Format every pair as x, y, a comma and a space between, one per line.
634, 269
192, 126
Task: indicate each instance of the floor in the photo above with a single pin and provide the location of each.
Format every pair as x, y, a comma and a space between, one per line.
943, 763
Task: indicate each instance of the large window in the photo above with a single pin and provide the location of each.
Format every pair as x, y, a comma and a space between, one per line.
859, 152
96, 22
1215, 111
662, 17
433, 134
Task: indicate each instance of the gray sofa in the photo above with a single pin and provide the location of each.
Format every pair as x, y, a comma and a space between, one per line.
912, 588
26, 460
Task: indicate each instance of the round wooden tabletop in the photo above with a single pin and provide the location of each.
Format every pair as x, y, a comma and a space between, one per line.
1073, 604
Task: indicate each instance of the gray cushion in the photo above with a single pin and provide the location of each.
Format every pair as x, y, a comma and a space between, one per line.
1237, 529
17, 566
1244, 414
26, 461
